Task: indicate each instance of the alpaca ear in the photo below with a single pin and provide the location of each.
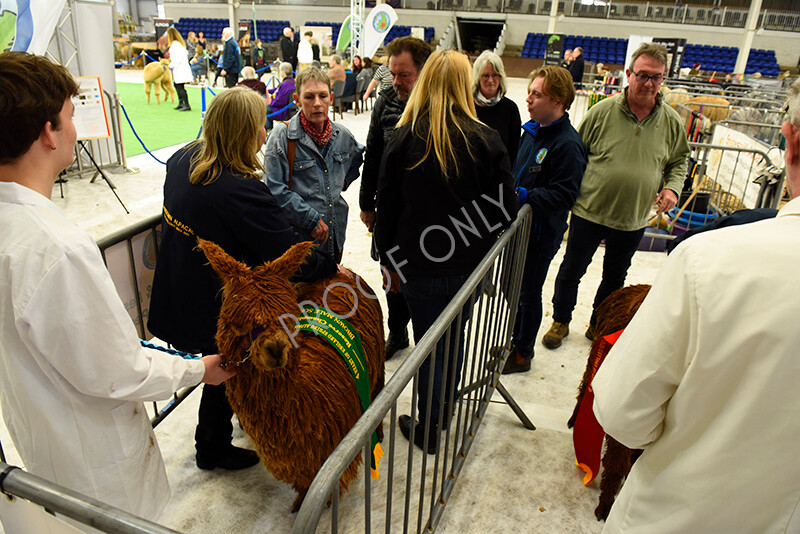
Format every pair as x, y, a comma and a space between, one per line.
225, 266
291, 260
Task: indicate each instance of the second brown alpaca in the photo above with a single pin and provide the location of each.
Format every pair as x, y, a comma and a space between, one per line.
613, 314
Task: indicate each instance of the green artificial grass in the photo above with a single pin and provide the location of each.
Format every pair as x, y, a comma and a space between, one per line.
158, 126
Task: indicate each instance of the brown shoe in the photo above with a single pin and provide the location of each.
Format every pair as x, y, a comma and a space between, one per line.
516, 363
558, 331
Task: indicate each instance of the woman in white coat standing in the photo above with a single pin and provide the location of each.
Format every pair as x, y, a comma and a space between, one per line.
72, 371
179, 63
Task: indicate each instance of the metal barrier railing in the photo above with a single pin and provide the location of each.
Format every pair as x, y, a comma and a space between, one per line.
484, 310
14, 482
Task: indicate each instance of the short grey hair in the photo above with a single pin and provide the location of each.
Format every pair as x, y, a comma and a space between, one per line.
655, 51
793, 103
249, 73
488, 57
337, 59
286, 68
287, 30
227, 30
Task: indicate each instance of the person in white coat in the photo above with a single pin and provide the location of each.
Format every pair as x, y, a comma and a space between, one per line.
705, 377
179, 63
72, 371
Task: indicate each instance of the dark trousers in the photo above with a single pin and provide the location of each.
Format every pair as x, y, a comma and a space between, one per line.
584, 238
214, 428
541, 250
399, 316
427, 297
183, 98
231, 79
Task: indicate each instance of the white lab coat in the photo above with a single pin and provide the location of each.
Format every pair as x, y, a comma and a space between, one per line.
72, 373
179, 63
705, 379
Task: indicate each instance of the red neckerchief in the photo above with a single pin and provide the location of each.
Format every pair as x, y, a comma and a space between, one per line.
320, 138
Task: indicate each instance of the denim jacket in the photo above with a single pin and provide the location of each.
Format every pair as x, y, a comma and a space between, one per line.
318, 179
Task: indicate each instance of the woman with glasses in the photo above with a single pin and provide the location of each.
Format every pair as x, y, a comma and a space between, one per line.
441, 165
491, 105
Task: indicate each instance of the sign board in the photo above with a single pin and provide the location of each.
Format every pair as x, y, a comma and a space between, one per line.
118, 262
418, 32
733, 171
376, 27
554, 52
91, 119
675, 48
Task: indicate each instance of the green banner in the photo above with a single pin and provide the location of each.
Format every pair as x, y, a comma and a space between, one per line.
345, 339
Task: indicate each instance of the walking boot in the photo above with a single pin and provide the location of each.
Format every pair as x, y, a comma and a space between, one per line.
517, 363
404, 422
231, 458
397, 341
558, 331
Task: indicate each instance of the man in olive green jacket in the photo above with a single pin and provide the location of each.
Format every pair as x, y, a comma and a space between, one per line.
637, 157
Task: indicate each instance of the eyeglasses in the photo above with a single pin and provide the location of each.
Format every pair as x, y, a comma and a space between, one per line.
488, 77
656, 78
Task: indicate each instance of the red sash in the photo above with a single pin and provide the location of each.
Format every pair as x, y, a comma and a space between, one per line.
587, 434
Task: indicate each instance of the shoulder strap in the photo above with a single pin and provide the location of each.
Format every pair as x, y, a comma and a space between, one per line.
290, 147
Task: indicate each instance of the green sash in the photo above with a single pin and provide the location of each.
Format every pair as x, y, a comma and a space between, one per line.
347, 342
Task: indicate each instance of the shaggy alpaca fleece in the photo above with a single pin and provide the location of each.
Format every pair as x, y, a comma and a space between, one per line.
295, 403
613, 315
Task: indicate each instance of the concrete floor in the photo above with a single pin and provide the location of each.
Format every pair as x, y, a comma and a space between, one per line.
515, 480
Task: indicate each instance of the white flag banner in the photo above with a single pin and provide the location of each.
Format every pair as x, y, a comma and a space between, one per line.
379, 21
27, 25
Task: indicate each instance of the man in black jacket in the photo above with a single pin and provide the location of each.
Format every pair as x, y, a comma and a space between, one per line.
576, 67
548, 172
407, 55
289, 48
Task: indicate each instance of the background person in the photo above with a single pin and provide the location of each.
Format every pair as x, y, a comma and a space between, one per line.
491, 105
637, 158
407, 55
381, 78
230, 59
65, 333
576, 67
335, 70
703, 379
327, 160
179, 63
305, 55
548, 173
258, 56
567, 59
289, 48
280, 97
213, 191
442, 150
251, 81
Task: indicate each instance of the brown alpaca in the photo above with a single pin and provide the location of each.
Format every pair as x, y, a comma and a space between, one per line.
157, 75
613, 315
295, 402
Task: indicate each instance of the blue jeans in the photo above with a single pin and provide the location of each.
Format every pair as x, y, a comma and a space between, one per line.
584, 238
541, 250
427, 297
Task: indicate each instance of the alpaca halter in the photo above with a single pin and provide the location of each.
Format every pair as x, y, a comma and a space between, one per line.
254, 333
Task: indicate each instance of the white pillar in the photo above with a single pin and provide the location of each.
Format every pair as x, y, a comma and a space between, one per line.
747, 38
233, 22
551, 23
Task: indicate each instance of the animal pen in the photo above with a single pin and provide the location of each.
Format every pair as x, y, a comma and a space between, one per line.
413, 488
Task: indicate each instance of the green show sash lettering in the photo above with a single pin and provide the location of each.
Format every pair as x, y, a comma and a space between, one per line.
341, 335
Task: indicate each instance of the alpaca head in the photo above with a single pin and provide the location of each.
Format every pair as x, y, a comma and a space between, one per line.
258, 304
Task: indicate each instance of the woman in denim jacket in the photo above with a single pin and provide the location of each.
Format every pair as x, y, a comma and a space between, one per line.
327, 159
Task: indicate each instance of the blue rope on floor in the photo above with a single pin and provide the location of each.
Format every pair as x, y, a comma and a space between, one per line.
137, 135
184, 355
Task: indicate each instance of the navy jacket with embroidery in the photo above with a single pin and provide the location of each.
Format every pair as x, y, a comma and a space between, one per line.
550, 164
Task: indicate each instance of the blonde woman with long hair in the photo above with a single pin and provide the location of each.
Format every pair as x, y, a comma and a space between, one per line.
179, 63
214, 191
441, 165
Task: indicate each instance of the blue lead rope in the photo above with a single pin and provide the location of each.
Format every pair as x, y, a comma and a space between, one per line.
184, 355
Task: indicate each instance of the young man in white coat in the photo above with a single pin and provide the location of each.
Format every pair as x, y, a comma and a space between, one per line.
705, 377
72, 371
